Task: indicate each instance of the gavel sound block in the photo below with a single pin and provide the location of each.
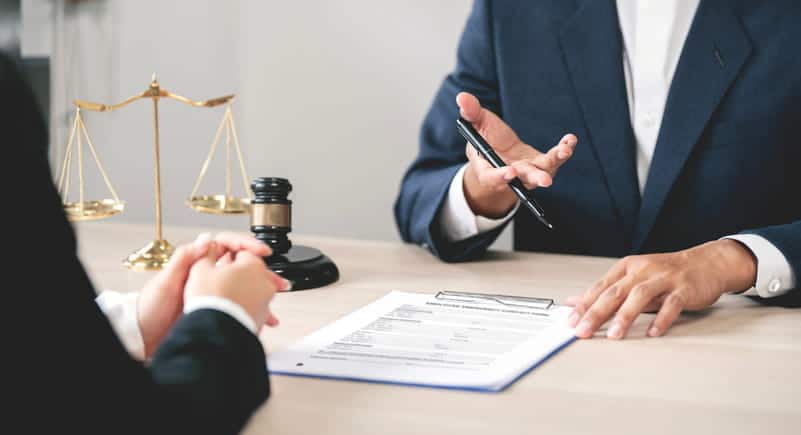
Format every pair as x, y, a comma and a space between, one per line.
271, 222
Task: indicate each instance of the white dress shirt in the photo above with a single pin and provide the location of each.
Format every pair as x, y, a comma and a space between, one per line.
121, 310
654, 33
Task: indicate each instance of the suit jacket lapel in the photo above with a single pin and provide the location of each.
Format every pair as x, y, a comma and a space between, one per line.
714, 52
592, 45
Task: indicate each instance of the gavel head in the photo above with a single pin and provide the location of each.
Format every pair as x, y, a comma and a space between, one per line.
271, 213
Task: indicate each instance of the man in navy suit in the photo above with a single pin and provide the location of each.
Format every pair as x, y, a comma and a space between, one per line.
686, 136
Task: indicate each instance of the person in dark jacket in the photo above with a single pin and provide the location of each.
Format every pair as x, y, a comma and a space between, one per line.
206, 369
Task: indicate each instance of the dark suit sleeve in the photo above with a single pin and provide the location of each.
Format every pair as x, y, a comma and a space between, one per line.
214, 365
425, 184
787, 238
208, 376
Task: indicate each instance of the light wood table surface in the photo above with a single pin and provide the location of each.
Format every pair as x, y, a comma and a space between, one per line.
734, 368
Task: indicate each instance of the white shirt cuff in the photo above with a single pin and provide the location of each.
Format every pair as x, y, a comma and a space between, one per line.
775, 276
221, 304
457, 221
121, 311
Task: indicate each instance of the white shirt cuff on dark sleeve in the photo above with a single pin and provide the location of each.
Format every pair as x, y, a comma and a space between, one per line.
457, 221
121, 311
775, 276
221, 304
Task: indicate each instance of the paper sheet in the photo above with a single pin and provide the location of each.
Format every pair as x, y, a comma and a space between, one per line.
419, 339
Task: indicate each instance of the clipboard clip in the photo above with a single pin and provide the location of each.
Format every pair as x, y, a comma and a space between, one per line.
510, 301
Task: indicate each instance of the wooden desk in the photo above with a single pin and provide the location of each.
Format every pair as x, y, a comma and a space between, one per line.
735, 368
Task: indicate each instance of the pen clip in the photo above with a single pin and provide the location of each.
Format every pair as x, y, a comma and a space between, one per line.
509, 301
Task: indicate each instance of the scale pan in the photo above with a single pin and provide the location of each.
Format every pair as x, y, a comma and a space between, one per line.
219, 204
92, 210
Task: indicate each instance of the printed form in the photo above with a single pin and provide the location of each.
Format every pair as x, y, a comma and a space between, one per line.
450, 340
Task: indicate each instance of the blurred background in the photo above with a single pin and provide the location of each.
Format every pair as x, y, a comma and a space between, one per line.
330, 94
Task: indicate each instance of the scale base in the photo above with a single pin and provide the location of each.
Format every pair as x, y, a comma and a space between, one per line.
305, 267
152, 257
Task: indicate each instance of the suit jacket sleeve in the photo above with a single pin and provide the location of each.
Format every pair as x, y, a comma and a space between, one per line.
208, 376
425, 184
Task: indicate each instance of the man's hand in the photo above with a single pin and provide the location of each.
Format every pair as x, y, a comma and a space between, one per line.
692, 279
240, 277
485, 187
161, 300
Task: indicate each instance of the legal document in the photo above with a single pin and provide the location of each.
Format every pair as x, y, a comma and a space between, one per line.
453, 340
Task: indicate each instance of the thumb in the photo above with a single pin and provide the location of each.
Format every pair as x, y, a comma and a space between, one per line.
177, 269
469, 107
497, 132
182, 259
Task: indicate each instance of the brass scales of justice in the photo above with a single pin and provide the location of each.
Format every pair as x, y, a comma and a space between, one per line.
155, 254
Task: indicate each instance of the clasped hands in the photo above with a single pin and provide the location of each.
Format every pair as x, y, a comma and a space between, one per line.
227, 265
667, 283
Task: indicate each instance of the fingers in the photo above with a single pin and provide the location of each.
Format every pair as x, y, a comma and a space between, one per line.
534, 168
584, 301
607, 302
239, 242
272, 321
532, 176
496, 178
533, 172
566, 146
226, 259
186, 255
627, 299
283, 285
488, 176
671, 308
213, 253
556, 156
225, 241
246, 258
639, 298
655, 304
201, 244
669, 283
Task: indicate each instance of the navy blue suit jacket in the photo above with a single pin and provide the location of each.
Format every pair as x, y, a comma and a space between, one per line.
726, 160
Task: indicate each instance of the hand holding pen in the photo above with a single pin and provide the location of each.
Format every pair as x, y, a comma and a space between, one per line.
486, 187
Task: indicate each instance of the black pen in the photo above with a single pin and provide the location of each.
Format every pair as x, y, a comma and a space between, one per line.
471, 135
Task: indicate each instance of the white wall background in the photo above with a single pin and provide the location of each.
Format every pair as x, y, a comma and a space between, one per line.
331, 96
